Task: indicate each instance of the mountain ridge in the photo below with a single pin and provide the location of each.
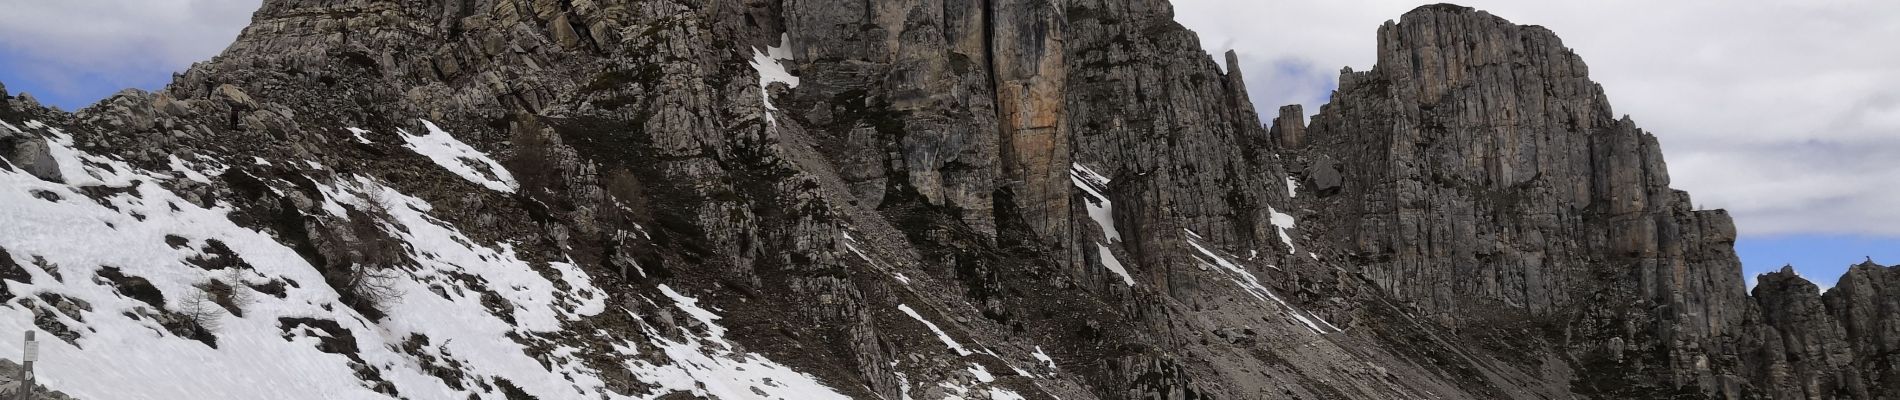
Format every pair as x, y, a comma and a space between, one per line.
889, 217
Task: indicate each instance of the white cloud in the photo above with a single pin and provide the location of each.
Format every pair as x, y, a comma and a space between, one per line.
1785, 112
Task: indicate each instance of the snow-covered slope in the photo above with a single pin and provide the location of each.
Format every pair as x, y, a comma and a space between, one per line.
154, 294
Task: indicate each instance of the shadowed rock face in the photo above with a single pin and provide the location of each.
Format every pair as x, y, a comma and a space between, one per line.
1072, 177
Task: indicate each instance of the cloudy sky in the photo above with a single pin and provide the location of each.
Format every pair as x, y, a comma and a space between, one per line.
1784, 112
73, 52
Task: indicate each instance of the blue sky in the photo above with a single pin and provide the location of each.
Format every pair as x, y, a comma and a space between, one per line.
1821, 258
1792, 129
69, 53
69, 89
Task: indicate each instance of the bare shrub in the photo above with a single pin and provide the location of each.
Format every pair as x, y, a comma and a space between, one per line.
533, 161
370, 289
377, 201
201, 311
364, 252
626, 189
234, 292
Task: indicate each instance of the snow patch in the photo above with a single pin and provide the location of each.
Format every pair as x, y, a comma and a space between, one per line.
903, 384
459, 158
981, 374
1252, 285
1044, 357
1282, 222
1114, 264
716, 372
851, 243
1102, 211
592, 301
196, 171
358, 134
690, 305
945, 337
1006, 363
956, 391
73, 167
1004, 394
1099, 207
179, 166
771, 68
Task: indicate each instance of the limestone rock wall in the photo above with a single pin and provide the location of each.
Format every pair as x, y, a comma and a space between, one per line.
1487, 183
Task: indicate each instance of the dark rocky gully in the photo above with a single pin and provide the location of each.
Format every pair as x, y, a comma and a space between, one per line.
1075, 179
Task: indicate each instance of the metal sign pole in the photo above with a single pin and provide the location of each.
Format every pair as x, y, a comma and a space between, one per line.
26, 367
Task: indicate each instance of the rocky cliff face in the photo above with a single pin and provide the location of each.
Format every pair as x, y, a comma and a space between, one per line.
1487, 183
1836, 344
894, 199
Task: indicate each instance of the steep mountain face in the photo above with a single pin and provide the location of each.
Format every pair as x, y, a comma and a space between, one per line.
1488, 184
1485, 182
895, 199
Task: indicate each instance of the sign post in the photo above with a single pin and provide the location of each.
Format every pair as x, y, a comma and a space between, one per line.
26, 367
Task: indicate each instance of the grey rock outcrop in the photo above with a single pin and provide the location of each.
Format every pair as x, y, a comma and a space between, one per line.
1832, 345
29, 153
1866, 302
1289, 129
1806, 352
10, 371
32, 155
